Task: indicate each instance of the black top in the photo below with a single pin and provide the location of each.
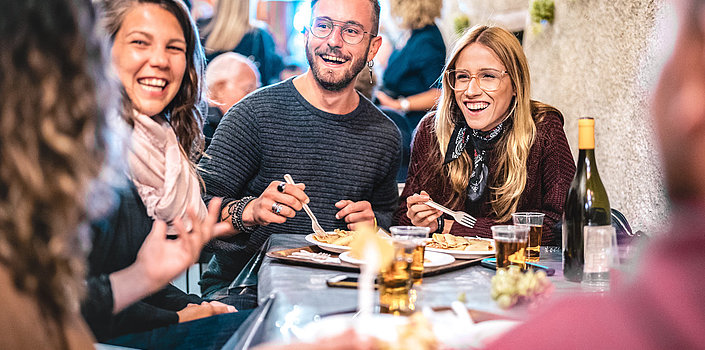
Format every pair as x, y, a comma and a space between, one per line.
416, 67
116, 241
274, 131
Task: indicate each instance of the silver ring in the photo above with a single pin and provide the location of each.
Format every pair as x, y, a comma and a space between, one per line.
281, 186
276, 208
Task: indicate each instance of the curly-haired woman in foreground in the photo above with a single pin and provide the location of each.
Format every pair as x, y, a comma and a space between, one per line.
51, 146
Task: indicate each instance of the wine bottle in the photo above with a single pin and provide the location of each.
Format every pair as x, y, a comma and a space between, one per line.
586, 204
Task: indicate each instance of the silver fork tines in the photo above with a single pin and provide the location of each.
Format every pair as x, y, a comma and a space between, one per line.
314, 222
462, 218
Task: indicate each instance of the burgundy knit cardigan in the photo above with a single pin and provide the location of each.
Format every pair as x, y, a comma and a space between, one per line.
550, 169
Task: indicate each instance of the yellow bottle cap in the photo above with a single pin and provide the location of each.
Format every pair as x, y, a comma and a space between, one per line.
586, 133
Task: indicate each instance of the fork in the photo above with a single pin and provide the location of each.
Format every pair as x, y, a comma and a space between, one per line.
462, 218
304, 254
320, 232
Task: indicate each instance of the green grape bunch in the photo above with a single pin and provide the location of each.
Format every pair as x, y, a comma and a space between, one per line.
510, 286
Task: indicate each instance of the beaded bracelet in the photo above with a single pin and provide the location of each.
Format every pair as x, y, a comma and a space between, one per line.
236, 211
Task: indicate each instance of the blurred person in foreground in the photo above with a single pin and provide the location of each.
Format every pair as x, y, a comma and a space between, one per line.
229, 77
489, 150
334, 142
51, 146
662, 306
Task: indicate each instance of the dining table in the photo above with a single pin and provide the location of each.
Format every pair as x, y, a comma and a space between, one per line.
293, 295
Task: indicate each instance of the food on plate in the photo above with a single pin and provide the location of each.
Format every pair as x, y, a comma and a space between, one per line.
452, 242
369, 242
337, 237
417, 334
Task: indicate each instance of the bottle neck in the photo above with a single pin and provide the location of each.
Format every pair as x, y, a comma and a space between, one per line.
586, 160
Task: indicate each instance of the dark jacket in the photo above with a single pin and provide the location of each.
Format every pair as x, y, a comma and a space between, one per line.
116, 241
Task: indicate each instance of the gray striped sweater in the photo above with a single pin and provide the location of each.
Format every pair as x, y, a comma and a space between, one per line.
275, 131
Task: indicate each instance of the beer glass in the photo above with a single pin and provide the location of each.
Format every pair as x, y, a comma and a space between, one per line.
535, 223
510, 245
419, 236
395, 279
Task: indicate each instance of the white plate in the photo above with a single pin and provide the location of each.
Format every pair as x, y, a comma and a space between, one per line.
381, 326
447, 329
326, 246
434, 259
465, 254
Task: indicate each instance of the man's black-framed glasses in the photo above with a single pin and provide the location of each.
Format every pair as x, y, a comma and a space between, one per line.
352, 33
487, 79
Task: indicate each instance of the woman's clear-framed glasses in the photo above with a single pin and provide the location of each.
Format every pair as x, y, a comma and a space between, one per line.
352, 33
487, 79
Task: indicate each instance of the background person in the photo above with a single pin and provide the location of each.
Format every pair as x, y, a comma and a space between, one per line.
229, 77
230, 29
489, 150
410, 80
315, 127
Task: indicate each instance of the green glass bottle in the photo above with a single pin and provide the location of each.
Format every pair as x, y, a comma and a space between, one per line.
586, 204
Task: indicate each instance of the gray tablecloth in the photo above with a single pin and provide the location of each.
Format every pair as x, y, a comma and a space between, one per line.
302, 293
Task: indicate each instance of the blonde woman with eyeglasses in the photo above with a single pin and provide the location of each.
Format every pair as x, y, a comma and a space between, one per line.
489, 150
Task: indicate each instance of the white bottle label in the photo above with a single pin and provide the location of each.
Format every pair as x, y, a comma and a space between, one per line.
600, 247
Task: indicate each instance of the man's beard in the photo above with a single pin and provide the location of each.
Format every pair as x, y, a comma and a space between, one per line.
329, 83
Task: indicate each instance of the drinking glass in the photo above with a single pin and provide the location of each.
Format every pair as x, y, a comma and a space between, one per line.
535, 223
601, 254
396, 279
510, 244
419, 236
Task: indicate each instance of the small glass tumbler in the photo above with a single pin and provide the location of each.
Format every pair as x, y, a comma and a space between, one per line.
419, 236
535, 223
601, 255
510, 244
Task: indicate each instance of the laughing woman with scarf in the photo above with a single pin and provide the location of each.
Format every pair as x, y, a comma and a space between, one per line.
158, 60
489, 150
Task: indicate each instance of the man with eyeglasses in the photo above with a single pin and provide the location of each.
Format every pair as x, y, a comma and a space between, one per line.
335, 143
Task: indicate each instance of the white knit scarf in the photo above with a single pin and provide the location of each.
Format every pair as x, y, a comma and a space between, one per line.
163, 175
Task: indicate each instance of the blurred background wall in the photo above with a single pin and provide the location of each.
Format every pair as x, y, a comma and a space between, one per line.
598, 58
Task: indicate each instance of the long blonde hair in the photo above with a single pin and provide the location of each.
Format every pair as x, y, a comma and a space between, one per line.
416, 14
507, 184
230, 23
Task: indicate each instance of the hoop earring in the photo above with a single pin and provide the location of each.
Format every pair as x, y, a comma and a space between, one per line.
514, 107
369, 67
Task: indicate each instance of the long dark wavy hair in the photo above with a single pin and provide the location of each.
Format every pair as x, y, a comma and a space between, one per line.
52, 104
183, 111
